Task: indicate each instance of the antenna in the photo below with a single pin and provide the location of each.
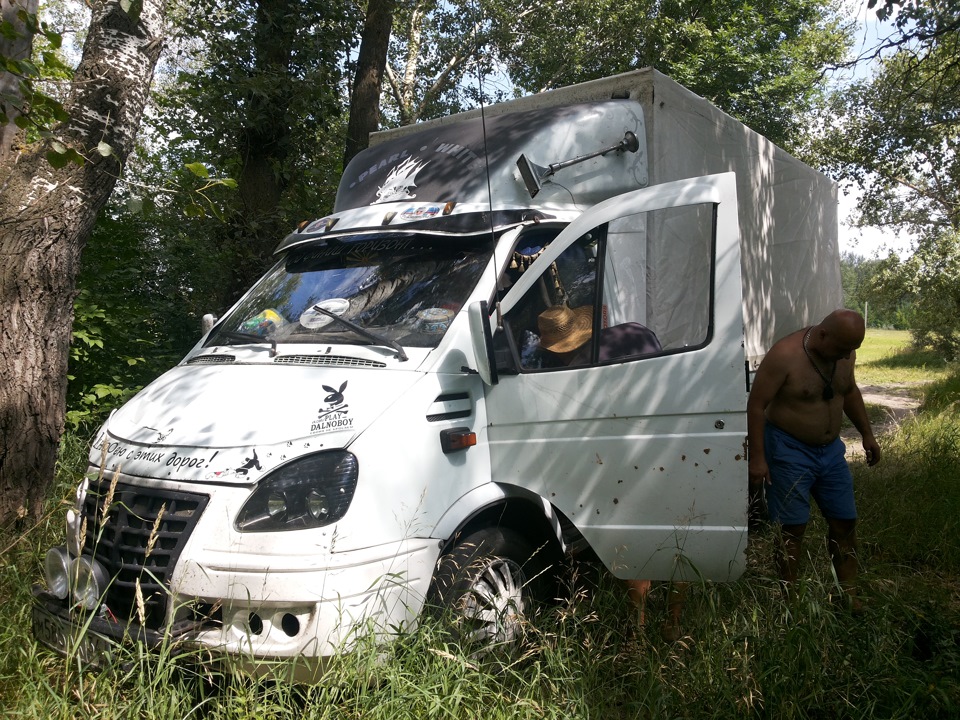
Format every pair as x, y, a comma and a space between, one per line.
533, 175
486, 164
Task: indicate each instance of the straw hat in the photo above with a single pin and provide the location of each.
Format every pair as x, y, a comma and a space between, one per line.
563, 329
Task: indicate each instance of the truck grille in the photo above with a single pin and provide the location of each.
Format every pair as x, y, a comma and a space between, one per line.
137, 550
327, 361
211, 360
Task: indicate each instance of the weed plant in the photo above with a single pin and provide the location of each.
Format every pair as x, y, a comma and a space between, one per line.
910, 502
746, 650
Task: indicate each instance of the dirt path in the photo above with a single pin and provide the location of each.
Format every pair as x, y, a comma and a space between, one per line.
899, 401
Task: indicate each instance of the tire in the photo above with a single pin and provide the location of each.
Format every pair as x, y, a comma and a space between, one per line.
488, 584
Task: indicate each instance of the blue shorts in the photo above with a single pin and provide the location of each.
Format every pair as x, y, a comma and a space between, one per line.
799, 470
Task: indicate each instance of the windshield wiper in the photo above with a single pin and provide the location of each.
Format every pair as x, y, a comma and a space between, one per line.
379, 339
236, 335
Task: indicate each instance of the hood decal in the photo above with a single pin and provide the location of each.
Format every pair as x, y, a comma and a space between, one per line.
334, 415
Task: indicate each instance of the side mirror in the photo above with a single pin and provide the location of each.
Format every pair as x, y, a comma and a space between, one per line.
482, 341
207, 322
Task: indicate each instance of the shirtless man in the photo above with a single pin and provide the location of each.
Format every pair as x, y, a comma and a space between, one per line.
802, 389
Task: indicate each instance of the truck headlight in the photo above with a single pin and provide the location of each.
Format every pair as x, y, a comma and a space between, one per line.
56, 570
92, 579
309, 492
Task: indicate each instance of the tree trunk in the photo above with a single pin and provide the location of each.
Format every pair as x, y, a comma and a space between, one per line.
371, 61
46, 215
263, 143
265, 135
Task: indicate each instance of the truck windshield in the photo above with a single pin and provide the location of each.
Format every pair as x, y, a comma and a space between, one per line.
399, 289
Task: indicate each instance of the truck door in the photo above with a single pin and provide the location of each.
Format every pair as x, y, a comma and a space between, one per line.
627, 409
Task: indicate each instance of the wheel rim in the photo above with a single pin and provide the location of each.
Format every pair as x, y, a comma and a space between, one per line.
494, 605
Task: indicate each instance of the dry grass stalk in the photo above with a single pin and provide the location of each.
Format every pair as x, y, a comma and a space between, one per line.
108, 500
83, 534
152, 540
141, 606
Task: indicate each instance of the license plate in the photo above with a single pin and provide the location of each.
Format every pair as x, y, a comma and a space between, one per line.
67, 638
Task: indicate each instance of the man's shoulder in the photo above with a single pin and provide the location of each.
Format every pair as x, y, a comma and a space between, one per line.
786, 347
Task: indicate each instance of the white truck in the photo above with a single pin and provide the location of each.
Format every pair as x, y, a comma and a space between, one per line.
522, 331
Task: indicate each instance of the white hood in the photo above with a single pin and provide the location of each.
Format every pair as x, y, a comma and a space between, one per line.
235, 422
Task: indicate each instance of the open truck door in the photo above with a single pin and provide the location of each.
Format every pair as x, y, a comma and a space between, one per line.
623, 402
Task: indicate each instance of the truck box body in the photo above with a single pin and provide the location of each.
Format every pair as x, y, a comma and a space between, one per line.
519, 333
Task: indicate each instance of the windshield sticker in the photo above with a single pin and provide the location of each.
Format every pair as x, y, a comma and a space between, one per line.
302, 258
420, 213
316, 225
334, 416
399, 184
383, 163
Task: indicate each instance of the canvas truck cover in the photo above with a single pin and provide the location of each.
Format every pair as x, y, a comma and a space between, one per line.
788, 211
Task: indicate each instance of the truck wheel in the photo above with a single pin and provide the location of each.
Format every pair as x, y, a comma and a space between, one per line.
487, 583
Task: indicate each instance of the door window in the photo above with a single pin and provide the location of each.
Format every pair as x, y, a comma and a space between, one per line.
633, 289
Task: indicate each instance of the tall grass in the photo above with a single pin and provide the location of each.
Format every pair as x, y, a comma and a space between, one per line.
746, 650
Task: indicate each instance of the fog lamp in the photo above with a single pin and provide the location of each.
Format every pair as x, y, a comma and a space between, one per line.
56, 570
92, 579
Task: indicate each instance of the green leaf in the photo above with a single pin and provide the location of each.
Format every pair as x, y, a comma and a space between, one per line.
229, 182
75, 157
198, 169
103, 391
26, 68
54, 38
133, 8
57, 160
58, 147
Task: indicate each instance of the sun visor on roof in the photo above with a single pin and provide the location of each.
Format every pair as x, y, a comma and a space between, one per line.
449, 162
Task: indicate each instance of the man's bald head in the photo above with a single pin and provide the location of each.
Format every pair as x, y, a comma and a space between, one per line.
839, 334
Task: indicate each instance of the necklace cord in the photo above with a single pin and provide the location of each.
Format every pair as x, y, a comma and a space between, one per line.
827, 382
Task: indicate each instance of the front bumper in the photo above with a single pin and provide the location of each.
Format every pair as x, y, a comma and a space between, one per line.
264, 608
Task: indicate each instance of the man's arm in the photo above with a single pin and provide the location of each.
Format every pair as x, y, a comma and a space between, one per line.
854, 409
770, 377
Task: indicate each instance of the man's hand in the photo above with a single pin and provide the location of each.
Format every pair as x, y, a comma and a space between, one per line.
759, 473
872, 450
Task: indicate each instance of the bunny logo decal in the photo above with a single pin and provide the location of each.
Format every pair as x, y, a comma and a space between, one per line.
336, 396
334, 415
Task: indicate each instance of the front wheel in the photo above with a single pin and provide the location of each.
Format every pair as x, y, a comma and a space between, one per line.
488, 583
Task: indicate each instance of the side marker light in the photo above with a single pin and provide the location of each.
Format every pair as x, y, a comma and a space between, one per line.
454, 439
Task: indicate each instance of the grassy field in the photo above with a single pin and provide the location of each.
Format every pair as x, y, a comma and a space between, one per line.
888, 358
746, 651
